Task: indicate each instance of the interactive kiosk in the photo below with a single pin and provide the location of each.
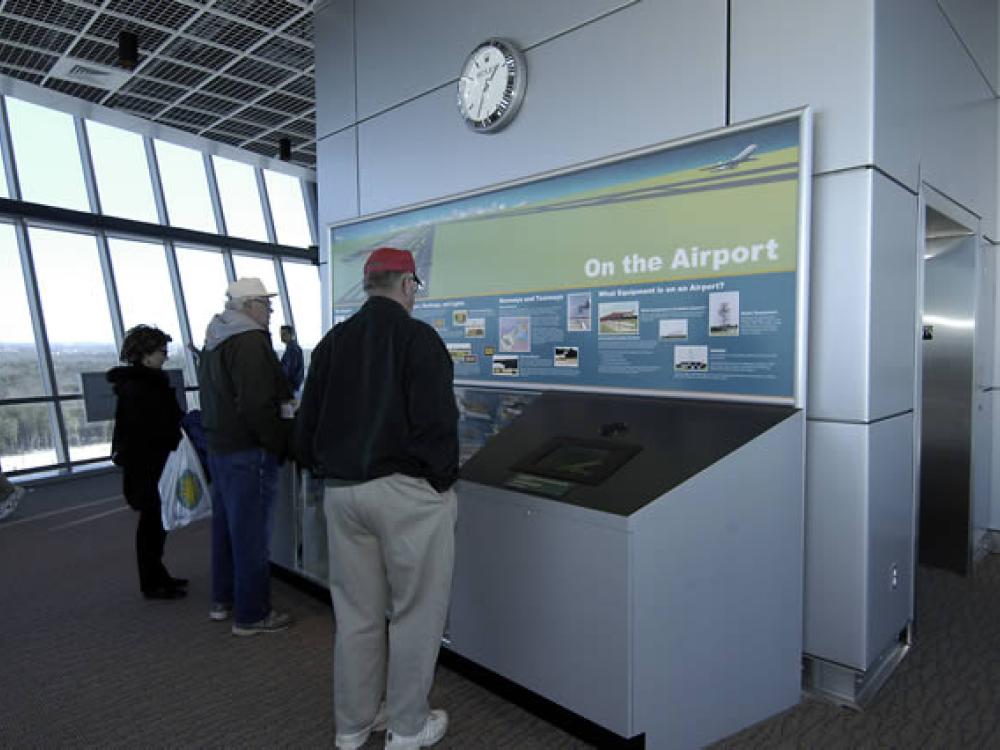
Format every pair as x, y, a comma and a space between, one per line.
629, 349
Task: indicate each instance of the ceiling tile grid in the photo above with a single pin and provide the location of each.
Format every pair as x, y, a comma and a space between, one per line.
237, 71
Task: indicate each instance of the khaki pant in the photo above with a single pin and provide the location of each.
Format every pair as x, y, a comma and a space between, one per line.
392, 549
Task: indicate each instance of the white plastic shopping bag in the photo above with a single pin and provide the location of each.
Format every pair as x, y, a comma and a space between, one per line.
184, 492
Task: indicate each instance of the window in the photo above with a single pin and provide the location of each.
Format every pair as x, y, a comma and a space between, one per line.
122, 173
263, 269
288, 209
4, 192
74, 305
144, 292
302, 280
19, 371
87, 440
47, 155
26, 436
185, 187
203, 279
240, 199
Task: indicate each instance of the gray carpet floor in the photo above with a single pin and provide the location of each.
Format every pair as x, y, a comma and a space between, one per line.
86, 662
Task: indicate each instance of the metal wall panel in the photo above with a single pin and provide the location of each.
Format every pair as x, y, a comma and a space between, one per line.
893, 298
891, 513
407, 49
976, 23
839, 331
651, 72
935, 113
337, 174
994, 514
787, 53
863, 297
336, 100
836, 542
859, 522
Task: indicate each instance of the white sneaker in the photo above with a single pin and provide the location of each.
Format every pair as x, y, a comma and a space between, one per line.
357, 739
274, 622
219, 612
434, 729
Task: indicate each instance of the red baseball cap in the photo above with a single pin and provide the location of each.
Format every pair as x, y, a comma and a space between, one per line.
391, 259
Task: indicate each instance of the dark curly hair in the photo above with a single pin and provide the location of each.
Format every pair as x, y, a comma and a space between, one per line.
142, 340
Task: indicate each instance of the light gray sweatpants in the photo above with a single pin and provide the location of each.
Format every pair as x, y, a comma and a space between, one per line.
392, 549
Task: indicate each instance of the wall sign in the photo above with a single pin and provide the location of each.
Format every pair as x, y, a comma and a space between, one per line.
678, 270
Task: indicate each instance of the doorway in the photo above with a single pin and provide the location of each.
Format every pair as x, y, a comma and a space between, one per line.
948, 392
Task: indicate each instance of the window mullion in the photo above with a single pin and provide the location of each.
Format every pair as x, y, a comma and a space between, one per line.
213, 192
7, 154
89, 178
47, 368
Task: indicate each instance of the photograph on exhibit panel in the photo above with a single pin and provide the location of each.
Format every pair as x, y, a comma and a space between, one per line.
673, 328
691, 358
578, 312
505, 365
515, 334
724, 314
618, 318
566, 356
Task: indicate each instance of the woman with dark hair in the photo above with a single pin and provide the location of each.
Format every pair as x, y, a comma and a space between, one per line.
147, 429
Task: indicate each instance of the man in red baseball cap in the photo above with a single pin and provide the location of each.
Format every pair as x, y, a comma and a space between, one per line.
391, 259
378, 422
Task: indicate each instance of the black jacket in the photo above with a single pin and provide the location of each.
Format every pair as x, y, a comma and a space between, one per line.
147, 429
242, 388
147, 416
379, 400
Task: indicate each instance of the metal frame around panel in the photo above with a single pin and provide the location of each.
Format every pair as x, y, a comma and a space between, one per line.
800, 375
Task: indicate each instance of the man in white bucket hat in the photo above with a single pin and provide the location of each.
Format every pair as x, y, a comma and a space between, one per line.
243, 391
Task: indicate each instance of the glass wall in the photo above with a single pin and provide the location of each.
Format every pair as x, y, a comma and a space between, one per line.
185, 187
19, 371
302, 280
47, 155
240, 198
123, 184
203, 278
291, 224
68, 291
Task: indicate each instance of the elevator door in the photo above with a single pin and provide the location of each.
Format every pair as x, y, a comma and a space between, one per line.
947, 394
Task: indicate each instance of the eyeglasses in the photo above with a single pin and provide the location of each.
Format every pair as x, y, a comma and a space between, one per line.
418, 282
265, 302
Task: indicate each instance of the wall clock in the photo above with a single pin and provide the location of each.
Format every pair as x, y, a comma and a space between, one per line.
491, 86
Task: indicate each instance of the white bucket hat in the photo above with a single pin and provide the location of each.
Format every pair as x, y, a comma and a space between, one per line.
248, 287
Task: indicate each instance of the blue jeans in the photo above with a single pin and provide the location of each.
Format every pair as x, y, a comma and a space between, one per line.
244, 489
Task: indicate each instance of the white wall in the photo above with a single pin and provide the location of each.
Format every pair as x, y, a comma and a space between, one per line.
902, 91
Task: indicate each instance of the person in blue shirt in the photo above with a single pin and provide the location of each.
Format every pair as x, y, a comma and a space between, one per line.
292, 362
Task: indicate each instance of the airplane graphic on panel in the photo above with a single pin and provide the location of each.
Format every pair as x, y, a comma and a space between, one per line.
745, 155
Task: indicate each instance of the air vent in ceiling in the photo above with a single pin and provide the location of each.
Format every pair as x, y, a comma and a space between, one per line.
90, 73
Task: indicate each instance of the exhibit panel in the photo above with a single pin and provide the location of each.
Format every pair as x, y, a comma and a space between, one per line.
680, 269
628, 339
651, 580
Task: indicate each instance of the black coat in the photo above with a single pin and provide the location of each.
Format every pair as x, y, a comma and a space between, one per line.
147, 429
379, 400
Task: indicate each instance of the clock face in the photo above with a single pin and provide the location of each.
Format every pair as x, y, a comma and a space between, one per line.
491, 86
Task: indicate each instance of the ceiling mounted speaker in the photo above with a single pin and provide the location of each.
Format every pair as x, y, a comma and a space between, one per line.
128, 50
285, 149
